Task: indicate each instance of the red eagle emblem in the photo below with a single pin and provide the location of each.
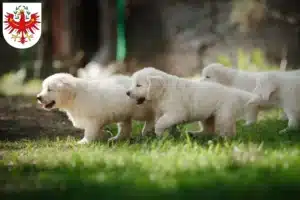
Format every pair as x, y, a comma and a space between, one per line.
24, 26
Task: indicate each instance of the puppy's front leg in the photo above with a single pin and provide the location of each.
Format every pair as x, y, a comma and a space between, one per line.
227, 124
90, 132
166, 121
251, 117
148, 127
124, 131
293, 123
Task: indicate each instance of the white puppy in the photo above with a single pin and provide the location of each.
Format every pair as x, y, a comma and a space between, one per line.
91, 105
178, 100
244, 80
281, 90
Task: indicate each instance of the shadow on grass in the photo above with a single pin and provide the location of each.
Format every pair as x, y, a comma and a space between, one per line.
64, 182
265, 131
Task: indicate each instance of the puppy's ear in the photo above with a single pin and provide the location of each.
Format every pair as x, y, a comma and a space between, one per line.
68, 91
155, 88
223, 76
66, 83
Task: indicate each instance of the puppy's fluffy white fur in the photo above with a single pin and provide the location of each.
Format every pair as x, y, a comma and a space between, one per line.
244, 80
91, 105
179, 100
283, 91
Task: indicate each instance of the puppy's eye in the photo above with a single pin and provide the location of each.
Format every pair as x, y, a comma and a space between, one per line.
138, 85
49, 90
207, 76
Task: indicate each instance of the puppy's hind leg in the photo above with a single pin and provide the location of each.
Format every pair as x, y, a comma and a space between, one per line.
293, 123
124, 131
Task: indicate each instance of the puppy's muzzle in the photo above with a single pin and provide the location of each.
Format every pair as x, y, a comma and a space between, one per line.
39, 98
45, 105
140, 100
128, 93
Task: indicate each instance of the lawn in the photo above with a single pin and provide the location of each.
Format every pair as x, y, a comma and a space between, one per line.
39, 159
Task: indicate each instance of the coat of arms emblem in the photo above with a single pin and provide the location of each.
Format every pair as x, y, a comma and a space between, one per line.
22, 24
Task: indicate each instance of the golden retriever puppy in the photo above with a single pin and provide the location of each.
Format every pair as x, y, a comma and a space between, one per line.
90, 105
244, 80
179, 100
283, 91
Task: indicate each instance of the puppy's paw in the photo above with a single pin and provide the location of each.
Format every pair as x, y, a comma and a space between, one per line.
283, 131
112, 139
148, 134
199, 134
288, 130
159, 135
194, 134
175, 131
248, 123
118, 138
83, 141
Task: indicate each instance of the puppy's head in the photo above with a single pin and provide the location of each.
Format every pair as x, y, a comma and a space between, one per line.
57, 91
216, 72
146, 86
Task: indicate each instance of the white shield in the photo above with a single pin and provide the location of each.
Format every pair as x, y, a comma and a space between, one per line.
22, 24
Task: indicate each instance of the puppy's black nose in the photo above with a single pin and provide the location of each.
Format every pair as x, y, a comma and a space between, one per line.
128, 93
39, 98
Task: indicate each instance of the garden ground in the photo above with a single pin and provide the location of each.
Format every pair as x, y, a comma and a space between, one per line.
39, 159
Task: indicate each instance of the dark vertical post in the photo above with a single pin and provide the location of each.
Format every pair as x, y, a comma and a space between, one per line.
46, 43
10, 57
107, 44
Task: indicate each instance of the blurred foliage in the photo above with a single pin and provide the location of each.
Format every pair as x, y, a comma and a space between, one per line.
252, 61
13, 83
225, 60
248, 14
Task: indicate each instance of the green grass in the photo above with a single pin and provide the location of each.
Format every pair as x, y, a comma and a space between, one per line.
257, 164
